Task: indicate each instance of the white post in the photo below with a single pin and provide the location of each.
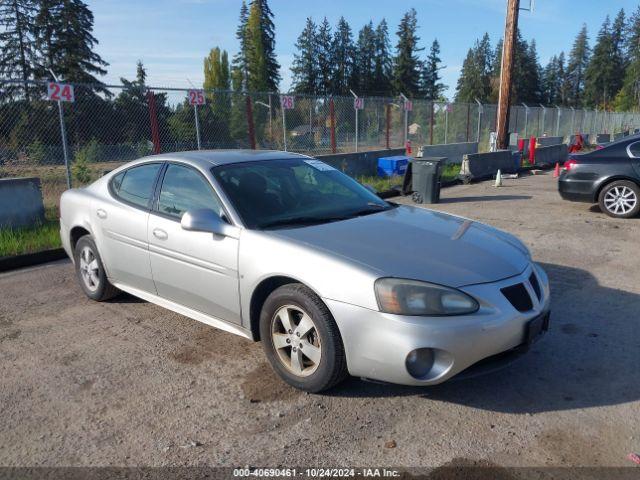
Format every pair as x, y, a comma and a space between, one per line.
558, 121
354, 106
573, 119
406, 118
526, 120
446, 121
480, 112
63, 137
544, 116
195, 113
284, 128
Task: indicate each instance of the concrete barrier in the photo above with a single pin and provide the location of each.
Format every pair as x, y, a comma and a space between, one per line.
603, 138
546, 141
361, 163
453, 151
547, 156
20, 202
484, 165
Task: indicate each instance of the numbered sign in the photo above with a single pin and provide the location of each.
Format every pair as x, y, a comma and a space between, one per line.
408, 105
358, 103
196, 97
287, 102
60, 92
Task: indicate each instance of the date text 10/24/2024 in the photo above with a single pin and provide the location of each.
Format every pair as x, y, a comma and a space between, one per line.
317, 472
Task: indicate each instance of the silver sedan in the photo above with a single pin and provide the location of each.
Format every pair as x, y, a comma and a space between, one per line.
284, 249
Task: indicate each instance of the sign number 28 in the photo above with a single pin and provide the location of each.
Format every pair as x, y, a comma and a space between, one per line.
60, 92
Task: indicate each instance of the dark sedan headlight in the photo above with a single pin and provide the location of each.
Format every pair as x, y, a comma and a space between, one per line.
411, 297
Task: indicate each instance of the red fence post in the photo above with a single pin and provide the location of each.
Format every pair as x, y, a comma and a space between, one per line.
332, 125
153, 117
388, 125
250, 126
433, 106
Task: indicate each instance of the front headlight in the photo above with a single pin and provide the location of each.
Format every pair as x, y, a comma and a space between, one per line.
411, 297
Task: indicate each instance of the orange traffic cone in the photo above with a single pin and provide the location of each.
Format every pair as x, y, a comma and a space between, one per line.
556, 172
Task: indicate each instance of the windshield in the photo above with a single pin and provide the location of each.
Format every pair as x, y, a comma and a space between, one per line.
289, 192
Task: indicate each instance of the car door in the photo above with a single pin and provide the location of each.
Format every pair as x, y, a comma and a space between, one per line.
633, 150
198, 270
122, 222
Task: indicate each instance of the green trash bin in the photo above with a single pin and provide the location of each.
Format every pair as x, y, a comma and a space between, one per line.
425, 181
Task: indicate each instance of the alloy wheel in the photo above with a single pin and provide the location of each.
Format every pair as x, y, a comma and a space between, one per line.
620, 200
296, 340
89, 269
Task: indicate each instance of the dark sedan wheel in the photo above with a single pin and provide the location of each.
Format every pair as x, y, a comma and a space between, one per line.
301, 339
90, 271
620, 199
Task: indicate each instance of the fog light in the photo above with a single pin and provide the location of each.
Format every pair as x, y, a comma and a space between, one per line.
419, 362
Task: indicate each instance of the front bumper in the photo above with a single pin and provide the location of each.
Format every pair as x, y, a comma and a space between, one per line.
377, 344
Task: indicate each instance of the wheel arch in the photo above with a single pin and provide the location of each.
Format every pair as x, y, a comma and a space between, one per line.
610, 180
260, 294
75, 234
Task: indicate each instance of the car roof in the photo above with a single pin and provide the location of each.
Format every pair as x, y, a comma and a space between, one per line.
208, 158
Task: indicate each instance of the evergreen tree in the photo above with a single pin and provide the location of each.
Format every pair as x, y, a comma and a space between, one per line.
262, 65
554, 81
364, 65
406, 75
477, 69
629, 96
343, 58
17, 56
305, 61
383, 63
239, 68
430, 80
602, 75
325, 58
216, 70
576, 68
528, 88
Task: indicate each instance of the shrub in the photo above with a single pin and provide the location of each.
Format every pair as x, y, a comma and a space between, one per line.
36, 153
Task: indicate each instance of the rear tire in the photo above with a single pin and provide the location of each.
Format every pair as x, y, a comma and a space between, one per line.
90, 271
620, 199
301, 339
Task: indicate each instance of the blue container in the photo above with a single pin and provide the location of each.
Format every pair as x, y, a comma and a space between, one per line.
388, 166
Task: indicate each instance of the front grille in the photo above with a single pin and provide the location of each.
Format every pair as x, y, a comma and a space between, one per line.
518, 297
533, 280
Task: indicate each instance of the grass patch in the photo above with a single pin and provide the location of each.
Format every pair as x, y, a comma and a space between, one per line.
17, 241
382, 184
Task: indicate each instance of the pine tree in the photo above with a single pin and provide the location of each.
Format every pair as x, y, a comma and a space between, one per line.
554, 81
325, 57
343, 58
17, 56
430, 80
239, 68
262, 65
383, 63
629, 96
65, 30
364, 65
601, 84
528, 88
406, 75
305, 61
477, 70
216, 70
576, 68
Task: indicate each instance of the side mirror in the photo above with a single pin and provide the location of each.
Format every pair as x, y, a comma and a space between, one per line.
206, 220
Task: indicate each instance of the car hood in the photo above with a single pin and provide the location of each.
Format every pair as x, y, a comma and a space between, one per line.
410, 242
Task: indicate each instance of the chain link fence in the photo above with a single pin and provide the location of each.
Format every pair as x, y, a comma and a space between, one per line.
105, 126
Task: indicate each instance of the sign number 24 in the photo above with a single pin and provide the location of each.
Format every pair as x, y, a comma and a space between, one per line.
60, 92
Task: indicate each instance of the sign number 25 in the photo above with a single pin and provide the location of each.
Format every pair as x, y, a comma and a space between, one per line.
60, 92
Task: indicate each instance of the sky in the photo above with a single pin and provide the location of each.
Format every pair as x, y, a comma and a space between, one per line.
172, 37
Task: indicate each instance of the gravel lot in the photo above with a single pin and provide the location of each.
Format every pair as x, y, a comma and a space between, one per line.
128, 383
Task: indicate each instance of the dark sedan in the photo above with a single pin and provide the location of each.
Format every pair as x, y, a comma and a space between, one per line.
609, 176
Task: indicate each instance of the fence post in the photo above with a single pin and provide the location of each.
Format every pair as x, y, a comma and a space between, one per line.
480, 112
153, 117
356, 109
388, 125
526, 120
284, 125
558, 121
433, 107
250, 127
573, 119
544, 116
332, 123
65, 148
446, 121
468, 119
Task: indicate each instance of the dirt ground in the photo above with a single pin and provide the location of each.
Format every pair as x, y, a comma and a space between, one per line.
128, 383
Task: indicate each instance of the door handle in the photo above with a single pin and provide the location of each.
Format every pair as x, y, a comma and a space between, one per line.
101, 213
160, 234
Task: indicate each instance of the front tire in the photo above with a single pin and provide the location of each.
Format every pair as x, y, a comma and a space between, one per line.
90, 271
301, 339
620, 199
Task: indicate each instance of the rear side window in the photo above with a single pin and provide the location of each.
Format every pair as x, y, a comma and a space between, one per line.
135, 185
185, 189
634, 149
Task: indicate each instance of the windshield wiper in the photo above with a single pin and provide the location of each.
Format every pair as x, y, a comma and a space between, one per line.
301, 221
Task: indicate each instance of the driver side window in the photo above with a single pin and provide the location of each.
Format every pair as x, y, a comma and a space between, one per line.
185, 189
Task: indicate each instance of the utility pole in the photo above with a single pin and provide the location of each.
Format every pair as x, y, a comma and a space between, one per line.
506, 71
